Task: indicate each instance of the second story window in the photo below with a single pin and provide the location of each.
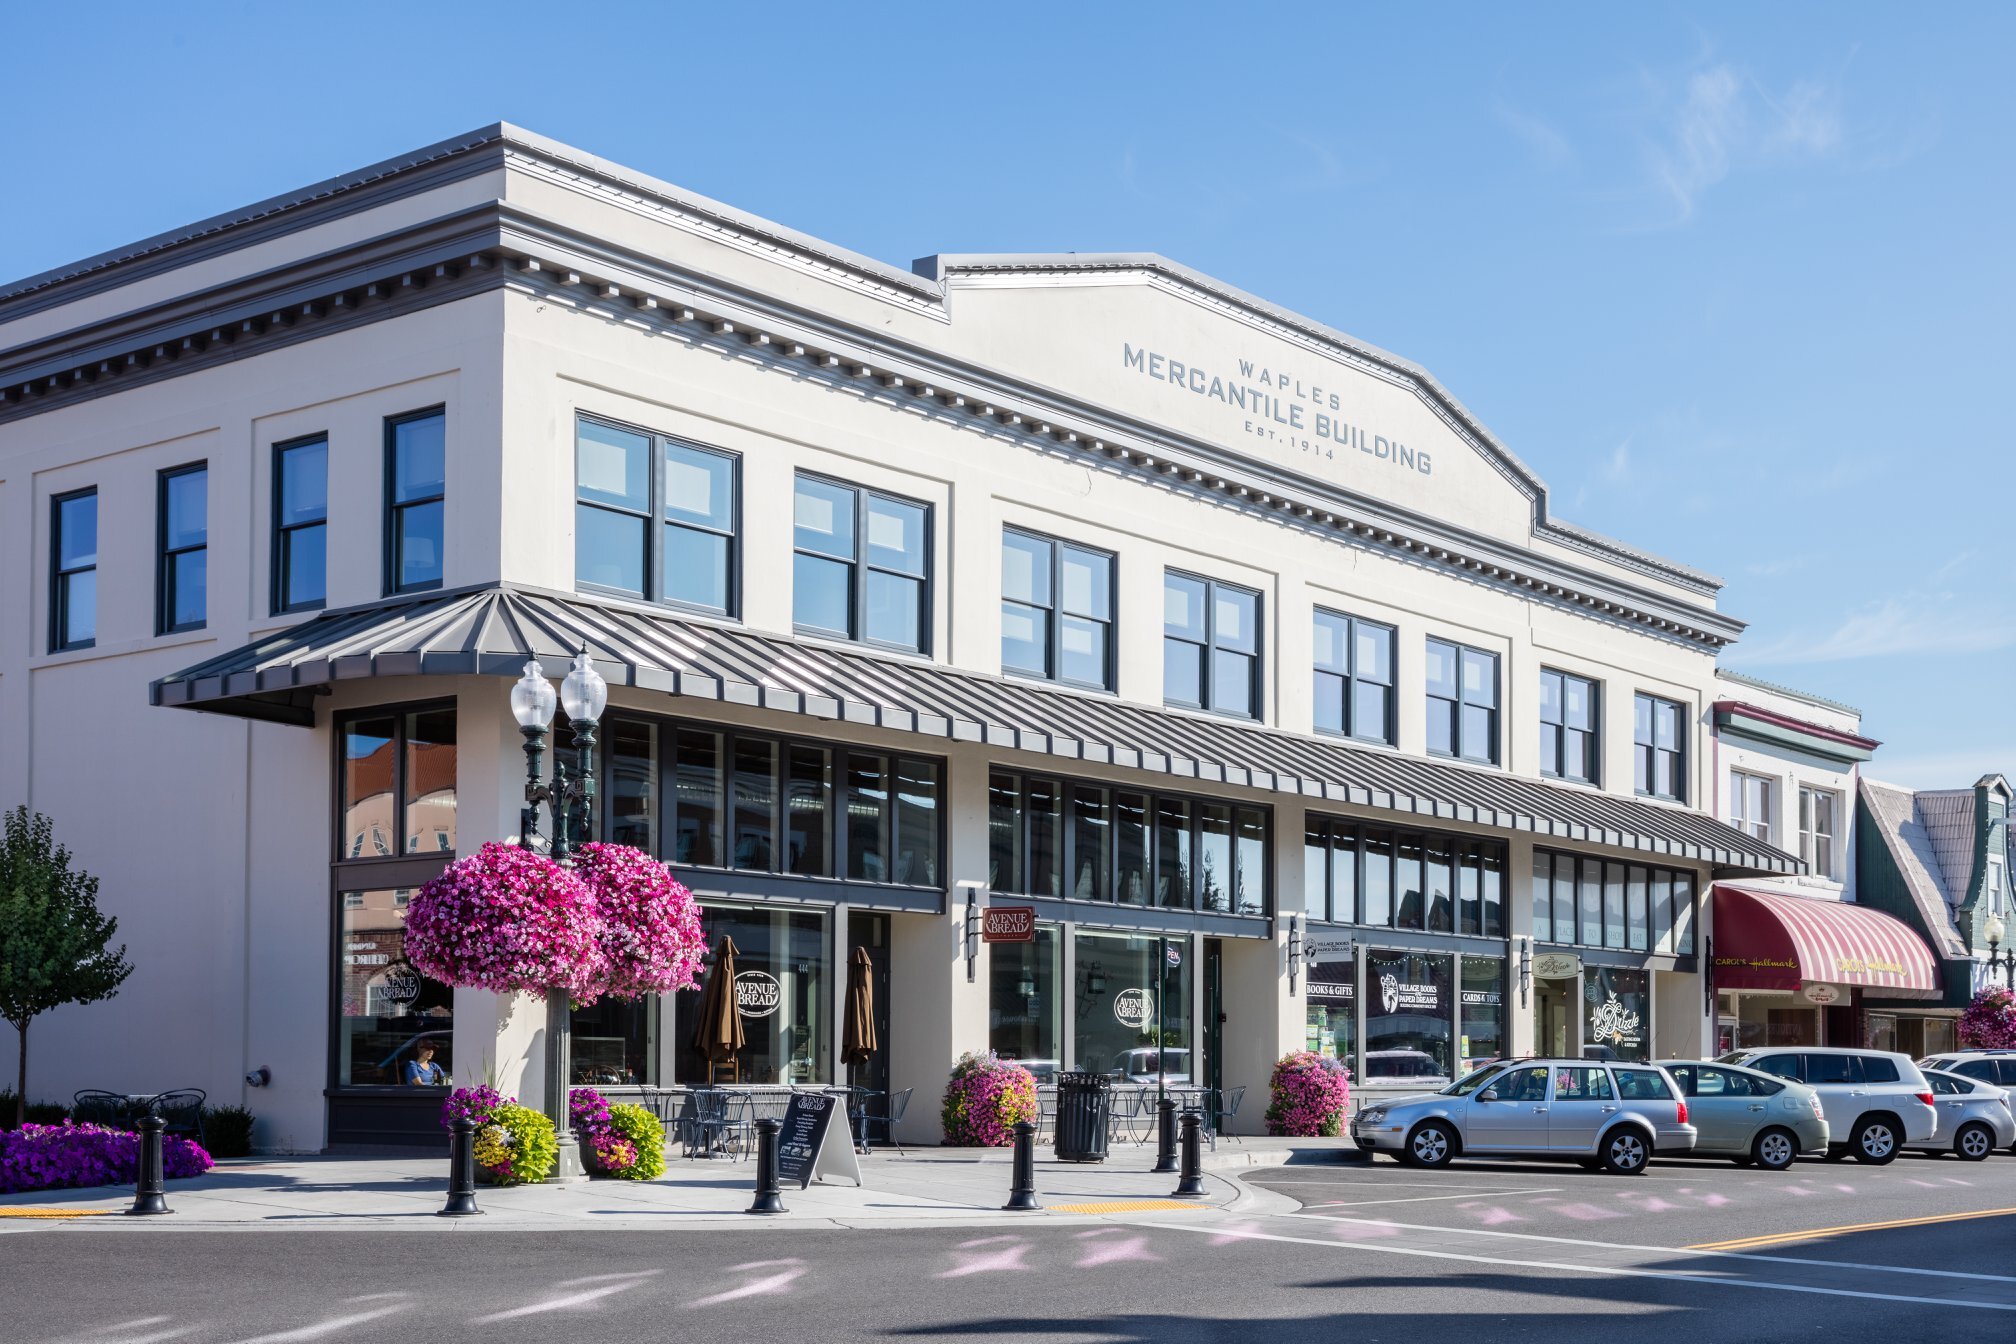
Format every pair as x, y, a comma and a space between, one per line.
73, 571
672, 540
1817, 809
1660, 748
300, 525
182, 521
416, 488
1210, 645
1750, 804
397, 784
1462, 702
1354, 677
1056, 610
1568, 737
861, 565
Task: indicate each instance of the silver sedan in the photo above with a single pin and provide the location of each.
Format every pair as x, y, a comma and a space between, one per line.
1748, 1116
1974, 1117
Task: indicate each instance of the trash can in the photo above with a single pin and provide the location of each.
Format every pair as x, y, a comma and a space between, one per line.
1084, 1106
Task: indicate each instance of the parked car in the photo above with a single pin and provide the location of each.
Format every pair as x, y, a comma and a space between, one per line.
1415, 1066
1747, 1116
1974, 1117
1875, 1101
1602, 1114
1988, 1066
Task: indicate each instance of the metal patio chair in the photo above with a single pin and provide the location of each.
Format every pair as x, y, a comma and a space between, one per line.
182, 1110
94, 1107
896, 1103
1223, 1106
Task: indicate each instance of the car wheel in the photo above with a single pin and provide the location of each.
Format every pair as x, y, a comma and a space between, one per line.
1974, 1142
1774, 1149
1625, 1151
1875, 1142
1431, 1145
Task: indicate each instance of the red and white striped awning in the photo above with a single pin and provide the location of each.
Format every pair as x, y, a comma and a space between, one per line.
1766, 940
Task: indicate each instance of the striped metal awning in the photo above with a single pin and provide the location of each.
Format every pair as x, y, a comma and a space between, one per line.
1774, 941
493, 631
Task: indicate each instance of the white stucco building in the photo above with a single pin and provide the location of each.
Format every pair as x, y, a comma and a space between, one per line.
1084, 583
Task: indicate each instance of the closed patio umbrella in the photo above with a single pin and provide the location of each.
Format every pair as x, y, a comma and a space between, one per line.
857, 1039
718, 1033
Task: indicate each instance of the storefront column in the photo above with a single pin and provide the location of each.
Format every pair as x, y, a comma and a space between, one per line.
937, 1014
1522, 1035
499, 1038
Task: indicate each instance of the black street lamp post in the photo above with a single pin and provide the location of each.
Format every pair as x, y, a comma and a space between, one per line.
1997, 958
570, 796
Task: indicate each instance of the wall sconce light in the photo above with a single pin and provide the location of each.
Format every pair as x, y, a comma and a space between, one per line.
1525, 969
1294, 951
971, 937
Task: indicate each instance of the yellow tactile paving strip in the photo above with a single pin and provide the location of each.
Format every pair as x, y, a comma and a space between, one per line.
52, 1213
1124, 1206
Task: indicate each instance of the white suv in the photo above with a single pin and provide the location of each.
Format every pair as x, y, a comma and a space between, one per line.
1985, 1066
1876, 1102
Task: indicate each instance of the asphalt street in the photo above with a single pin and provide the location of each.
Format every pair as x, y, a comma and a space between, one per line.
1921, 1250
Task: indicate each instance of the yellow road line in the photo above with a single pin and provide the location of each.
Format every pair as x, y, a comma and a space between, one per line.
1751, 1243
1124, 1206
52, 1213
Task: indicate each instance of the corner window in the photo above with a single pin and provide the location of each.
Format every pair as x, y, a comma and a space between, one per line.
73, 571
397, 779
655, 518
1354, 677
182, 526
1569, 740
1462, 702
1817, 813
416, 488
860, 567
1056, 610
1750, 804
1660, 741
394, 1026
1210, 645
300, 525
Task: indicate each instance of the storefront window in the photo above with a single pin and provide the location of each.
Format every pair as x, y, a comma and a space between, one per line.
1619, 1004
395, 1027
1409, 1020
1025, 1012
1129, 987
1749, 1021
370, 831
1408, 879
1483, 1004
398, 785
613, 1043
783, 984
631, 802
1333, 1010
1628, 907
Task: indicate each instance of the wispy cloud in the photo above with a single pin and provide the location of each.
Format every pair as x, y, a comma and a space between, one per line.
1538, 134
1718, 120
1914, 625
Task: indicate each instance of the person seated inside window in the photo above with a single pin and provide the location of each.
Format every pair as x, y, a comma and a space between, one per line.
421, 1070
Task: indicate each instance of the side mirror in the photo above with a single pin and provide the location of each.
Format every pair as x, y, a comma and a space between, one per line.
1488, 1094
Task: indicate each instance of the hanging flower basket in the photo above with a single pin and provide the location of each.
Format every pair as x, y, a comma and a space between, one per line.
650, 938
1990, 1021
508, 920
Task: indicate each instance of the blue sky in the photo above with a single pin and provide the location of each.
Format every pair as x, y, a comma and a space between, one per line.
1736, 280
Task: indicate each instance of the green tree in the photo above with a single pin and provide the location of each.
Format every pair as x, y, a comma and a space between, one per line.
53, 937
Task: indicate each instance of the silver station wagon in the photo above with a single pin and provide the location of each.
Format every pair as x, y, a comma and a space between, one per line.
1611, 1115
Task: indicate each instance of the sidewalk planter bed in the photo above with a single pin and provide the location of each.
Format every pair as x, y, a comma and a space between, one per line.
515, 1145
985, 1099
1308, 1097
55, 1157
623, 1140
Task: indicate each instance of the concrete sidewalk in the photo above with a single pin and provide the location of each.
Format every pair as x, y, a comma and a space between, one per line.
925, 1187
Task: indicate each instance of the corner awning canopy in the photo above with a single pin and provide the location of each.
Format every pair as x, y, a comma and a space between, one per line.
1765, 940
494, 630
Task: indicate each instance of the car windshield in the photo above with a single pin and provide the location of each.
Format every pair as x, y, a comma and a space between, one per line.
1469, 1082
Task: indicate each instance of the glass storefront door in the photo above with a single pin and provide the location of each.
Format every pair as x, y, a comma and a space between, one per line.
872, 932
1130, 987
784, 986
1557, 1022
1618, 1010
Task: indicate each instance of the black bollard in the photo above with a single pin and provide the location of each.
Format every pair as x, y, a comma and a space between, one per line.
1191, 1186
461, 1169
1165, 1134
150, 1193
767, 1198
1022, 1180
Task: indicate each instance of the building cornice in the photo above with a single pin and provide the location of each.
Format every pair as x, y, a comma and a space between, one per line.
1790, 692
1738, 719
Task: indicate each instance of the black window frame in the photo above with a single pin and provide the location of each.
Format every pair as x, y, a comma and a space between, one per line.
1388, 734
395, 507
59, 576
1645, 754
858, 566
1497, 710
283, 532
167, 557
1053, 644
1637, 885
1208, 683
1346, 835
1556, 768
1066, 791
656, 519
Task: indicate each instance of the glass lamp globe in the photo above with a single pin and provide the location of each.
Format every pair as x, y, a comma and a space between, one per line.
532, 698
584, 693
1994, 930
